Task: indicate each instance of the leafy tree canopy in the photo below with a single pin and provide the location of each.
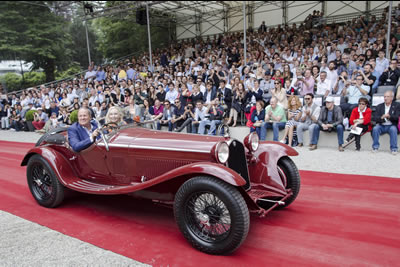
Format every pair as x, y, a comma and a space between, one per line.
35, 34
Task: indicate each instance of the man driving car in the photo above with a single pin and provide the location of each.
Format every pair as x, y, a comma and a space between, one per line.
83, 133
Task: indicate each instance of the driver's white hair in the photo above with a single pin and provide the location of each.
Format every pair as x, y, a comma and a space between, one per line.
85, 109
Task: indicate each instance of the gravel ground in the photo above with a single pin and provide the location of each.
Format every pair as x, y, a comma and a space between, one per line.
19, 238
24, 243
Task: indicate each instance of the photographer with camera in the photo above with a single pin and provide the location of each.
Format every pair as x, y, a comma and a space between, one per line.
40, 119
180, 114
369, 79
354, 92
340, 84
63, 116
188, 116
307, 83
391, 75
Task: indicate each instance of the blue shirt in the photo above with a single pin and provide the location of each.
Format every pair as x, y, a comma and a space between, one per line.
130, 73
100, 76
355, 94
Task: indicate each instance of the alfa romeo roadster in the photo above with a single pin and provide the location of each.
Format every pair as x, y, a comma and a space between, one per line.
211, 182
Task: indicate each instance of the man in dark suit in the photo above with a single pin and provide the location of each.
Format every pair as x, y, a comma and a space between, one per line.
83, 133
225, 96
386, 117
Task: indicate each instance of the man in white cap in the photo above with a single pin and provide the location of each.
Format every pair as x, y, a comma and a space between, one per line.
330, 119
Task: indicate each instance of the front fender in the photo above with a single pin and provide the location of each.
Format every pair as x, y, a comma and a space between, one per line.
263, 169
58, 163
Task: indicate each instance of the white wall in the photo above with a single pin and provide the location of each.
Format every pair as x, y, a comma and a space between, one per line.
271, 14
207, 27
183, 33
299, 10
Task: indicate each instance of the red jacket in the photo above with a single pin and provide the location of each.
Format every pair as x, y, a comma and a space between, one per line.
355, 115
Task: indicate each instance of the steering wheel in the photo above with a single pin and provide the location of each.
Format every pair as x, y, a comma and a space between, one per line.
110, 126
103, 136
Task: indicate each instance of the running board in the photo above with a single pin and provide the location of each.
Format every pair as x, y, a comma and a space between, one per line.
89, 187
273, 201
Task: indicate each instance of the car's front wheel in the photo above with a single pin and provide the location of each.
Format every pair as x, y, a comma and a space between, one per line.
212, 215
43, 183
290, 177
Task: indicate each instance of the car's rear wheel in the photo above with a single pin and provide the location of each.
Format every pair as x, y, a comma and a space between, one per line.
43, 183
212, 215
290, 177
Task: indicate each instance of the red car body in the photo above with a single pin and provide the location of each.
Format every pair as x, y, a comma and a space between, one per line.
154, 165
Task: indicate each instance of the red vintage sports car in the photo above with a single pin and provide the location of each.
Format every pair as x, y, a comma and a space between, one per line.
212, 182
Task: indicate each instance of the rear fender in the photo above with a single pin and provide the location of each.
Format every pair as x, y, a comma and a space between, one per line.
58, 163
263, 168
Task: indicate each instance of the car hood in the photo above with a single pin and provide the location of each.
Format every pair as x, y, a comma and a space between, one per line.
160, 140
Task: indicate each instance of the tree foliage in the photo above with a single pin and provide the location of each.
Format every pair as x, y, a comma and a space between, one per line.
12, 81
122, 36
79, 43
35, 34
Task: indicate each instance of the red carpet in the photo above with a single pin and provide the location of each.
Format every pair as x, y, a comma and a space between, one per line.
336, 220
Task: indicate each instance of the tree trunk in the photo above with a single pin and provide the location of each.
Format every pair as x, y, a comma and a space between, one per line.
49, 70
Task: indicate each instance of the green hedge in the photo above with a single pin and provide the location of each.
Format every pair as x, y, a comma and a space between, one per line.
29, 115
74, 116
12, 81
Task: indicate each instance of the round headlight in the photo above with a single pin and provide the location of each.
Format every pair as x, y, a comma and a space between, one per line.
222, 152
254, 142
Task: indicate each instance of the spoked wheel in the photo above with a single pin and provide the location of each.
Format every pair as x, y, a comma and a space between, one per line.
223, 130
290, 178
208, 217
43, 183
212, 215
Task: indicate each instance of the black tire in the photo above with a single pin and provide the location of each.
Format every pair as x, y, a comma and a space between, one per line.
288, 169
212, 215
43, 183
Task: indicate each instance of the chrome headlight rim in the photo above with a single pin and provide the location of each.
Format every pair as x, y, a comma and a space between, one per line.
254, 142
222, 152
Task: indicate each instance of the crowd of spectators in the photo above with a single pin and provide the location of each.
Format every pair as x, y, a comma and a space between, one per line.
199, 84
